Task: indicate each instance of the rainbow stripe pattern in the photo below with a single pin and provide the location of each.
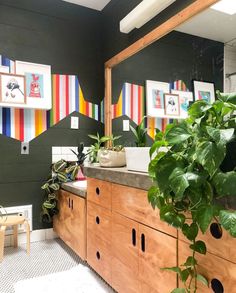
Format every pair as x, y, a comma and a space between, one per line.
132, 103
26, 124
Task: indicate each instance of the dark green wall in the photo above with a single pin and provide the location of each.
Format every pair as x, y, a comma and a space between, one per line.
68, 37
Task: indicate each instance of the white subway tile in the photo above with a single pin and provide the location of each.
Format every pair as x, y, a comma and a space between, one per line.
56, 150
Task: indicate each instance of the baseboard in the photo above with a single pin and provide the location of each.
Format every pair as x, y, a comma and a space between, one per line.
35, 236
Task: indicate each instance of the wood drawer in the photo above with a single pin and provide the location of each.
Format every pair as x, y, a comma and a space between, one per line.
218, 242
213, 268
99, 221
133, 203
99, 192
99, 256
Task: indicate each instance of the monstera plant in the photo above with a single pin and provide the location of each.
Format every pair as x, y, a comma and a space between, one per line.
191, 179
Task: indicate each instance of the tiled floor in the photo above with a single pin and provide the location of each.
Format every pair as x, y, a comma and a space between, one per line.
46, 257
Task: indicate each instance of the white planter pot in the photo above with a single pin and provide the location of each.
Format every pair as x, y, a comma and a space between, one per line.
137, 158
109, 159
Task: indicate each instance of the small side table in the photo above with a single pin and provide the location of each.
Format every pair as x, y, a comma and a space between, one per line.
13, 221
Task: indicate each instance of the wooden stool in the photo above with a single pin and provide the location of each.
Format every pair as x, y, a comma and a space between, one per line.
13, 221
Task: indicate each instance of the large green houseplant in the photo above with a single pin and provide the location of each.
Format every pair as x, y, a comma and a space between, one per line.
197, 171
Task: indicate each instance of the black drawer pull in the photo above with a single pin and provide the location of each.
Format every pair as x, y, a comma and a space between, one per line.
72, 204
97, 191
217, 286
134, 237
98, 255
143, 242
216, 230
97, 220
69, 203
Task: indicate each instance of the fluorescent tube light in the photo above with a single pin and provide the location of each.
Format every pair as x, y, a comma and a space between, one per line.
225, 6
142, 13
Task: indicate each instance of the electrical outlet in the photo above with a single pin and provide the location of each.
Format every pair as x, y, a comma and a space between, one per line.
24, 148
126, 125
74, 122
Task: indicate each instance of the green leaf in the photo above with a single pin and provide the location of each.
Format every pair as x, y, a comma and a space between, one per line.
228, 221
202, 279
204, 216
185, 274
155, 198
59, 166
225, 183
227, 97
93, 136
190, 262
55, 186
177, 134
191, 231
214, 133
104, 139
152, 167
199, 246
179, 290
168, 214
226, 135
173, 269
178, 182
198, 109
156, 146
210, 156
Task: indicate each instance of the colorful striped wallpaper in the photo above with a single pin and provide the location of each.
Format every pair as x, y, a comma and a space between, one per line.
26, 124
132, 103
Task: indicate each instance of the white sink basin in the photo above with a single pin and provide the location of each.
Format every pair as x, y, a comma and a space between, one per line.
81, 184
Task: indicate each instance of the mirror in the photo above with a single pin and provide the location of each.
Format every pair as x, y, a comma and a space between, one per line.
203, 49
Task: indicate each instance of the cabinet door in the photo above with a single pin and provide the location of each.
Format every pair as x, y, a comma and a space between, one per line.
157, 250
77, 225
220, 273
125, 254
60, 220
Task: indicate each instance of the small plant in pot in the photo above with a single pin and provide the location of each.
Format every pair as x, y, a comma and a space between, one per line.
198, 170
112, 155
95, 148
81, 157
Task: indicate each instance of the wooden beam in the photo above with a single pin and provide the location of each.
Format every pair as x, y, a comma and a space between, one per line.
162, 30
108, 102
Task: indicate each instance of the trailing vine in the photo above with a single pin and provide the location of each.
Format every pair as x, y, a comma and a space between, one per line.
188, 180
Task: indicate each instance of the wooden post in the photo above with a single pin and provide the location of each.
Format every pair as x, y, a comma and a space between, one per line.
108, 101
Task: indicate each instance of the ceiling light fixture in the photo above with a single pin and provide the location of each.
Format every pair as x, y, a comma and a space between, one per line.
225, 6
142, 13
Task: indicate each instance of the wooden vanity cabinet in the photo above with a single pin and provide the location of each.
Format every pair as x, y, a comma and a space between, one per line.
70, 223
126, 242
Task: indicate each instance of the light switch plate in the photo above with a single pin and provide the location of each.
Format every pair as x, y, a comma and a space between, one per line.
24, 148
74, 122
126, 125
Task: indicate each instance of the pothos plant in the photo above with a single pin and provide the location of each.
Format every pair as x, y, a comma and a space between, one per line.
60, 172
193, 175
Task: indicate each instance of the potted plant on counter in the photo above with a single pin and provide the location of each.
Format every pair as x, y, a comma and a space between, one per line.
197, 171
112, 155
95, 148
137, 158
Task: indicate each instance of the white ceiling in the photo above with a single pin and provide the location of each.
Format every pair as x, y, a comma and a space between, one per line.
211, 24
94, 4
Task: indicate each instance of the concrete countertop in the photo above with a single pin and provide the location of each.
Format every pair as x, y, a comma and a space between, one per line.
120, 176
77, 190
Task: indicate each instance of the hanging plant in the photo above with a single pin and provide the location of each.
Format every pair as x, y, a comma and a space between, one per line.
60, 172
198, 169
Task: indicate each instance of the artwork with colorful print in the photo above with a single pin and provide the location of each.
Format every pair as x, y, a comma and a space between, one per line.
204, 91
34, 85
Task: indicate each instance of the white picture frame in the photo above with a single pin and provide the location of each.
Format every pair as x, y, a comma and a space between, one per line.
184, 99
38, 84
12, 90
155, 91
4, 69
204, 91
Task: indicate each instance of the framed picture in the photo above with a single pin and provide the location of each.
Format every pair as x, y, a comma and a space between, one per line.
184, 99
155, 92
172, 106
4, 69
38, 84
204, 91
12, 90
